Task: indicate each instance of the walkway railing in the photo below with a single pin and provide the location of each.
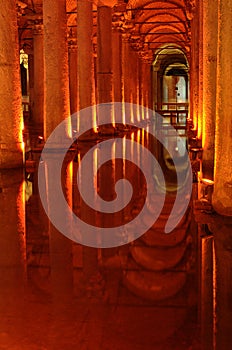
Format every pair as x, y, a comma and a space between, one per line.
175, 114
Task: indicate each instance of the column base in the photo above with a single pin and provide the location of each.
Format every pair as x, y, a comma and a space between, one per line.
208, 168
108, 130
221, 208
11, 158
89, 135
222, 200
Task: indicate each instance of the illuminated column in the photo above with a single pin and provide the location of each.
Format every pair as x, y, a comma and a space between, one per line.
11, 146
222, 196
85, 65
194, 68
85, 52
146, 82
125, 67
200, 69
38, 98
72, 50
104, 54
57, 110
135, 77
31, 83
159, 90
56, 65
104, 61
209, 85
142, 87
117, 65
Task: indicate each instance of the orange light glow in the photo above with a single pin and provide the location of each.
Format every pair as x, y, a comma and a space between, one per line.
21, 128
69, 127
95, 165
21, 224
69, 183
214, 296
94, 119
132, 113
199, 127
123, 114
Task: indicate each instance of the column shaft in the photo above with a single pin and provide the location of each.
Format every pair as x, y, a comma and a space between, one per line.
222, 197
194, 69
200, 101
38, 108
104, 64
104, 54
73, 78
209, 85
117, 66
85, 53
125, 70
56, 65
11, 146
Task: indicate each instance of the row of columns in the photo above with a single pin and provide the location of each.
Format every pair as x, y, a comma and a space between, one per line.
211, 112
210, 92
63, 81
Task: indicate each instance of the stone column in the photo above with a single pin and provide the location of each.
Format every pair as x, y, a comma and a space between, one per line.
31, 83
200, 69
72, 50
11, 145
209, 85
117, 69
194, 68
125, 68
57, 110
85, 60
146, 83
104, 61
38, 98
56, 65
117, 65
159, 90
222, 196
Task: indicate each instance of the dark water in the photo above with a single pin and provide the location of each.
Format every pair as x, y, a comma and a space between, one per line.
60, 294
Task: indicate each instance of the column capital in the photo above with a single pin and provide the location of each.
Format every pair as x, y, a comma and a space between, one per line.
126, 37
118, 20
72, 46
21, 6
190, 9
38, 27
137, 42
72, 40
36, 22
146, 56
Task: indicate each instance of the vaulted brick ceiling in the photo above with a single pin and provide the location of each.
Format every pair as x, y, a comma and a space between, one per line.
150, 24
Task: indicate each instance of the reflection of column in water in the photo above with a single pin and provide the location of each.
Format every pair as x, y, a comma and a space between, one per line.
106, 182
77, 248
207, 291
12, 243
87, 215
60, 246
41, 216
